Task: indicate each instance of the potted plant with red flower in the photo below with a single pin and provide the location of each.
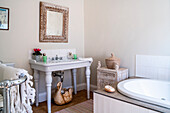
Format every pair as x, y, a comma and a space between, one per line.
37, 55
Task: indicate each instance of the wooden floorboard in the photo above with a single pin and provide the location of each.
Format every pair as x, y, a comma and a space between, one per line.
81, 96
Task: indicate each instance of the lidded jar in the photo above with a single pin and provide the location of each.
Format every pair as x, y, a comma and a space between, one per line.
112, 62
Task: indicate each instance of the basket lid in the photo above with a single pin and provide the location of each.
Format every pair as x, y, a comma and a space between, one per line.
112, 57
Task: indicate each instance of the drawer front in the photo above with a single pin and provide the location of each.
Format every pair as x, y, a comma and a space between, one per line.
102, 82
106, 79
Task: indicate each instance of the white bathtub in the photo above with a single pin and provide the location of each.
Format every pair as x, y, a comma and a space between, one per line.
147, 90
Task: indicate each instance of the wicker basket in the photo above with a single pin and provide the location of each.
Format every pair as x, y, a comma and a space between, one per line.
112, 62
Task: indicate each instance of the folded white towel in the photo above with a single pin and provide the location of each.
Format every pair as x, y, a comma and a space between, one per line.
20, 99
87, 59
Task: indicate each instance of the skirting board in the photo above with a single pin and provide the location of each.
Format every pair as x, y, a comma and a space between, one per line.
43, 96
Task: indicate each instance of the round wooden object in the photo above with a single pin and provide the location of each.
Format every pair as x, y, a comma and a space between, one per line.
109, 89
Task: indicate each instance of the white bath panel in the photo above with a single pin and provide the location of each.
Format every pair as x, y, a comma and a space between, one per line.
104, 104
154, 67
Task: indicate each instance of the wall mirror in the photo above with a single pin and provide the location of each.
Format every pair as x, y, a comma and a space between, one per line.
53, 23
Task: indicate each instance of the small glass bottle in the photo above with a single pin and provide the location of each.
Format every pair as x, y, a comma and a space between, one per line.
44, 58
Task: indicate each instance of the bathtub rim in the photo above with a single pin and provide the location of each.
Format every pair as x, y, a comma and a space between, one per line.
139, 97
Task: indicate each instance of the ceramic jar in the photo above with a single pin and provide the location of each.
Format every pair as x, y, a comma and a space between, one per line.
38, 58
112, 62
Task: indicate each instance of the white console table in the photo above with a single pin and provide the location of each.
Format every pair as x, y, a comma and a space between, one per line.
48, 68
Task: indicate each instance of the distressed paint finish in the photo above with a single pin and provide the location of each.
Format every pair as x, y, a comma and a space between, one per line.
111, 77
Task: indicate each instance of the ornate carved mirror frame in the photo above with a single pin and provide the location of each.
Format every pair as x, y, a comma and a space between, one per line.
62, 27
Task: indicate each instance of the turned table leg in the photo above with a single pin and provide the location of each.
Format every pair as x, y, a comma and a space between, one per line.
74, 71
36, 81
48, 84
88, 81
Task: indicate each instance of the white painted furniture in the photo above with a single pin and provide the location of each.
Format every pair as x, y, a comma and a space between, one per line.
8, 63
48, 68
111, 77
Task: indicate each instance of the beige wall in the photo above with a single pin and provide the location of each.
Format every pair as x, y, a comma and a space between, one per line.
127, 28
23, 34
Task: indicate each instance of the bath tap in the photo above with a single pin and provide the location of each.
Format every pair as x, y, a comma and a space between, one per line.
52, 58
61, 58
56, 58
